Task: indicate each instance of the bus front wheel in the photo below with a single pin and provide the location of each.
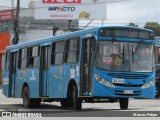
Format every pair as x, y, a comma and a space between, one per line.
123, 102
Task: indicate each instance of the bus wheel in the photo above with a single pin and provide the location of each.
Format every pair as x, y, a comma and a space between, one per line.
68, 102
26, 100
36, 103
157, 91
65, 103
123, 102
76, 101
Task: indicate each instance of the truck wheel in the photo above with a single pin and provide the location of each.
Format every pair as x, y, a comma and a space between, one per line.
123, 102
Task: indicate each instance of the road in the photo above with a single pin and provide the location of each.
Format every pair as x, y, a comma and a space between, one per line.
137, 108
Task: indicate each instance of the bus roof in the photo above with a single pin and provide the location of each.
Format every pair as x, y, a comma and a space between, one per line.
67, 35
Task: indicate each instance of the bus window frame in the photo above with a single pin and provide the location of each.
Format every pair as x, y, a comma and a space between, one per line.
75, 50
7, 61
128, 35
29, 57
53, 54
20, 58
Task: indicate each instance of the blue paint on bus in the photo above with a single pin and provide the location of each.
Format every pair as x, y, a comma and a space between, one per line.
57, 67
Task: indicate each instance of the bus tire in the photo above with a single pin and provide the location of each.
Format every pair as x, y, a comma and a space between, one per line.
157, 91
76, 101
68, 102
123, 102
27, 102
36, 103
65, 103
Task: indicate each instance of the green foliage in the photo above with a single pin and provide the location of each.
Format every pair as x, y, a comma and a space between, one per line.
132, 24
155, 26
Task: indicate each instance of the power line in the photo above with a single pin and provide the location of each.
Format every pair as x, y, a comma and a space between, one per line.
88, 24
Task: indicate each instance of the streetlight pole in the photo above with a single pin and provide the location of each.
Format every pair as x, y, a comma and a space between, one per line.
16, 24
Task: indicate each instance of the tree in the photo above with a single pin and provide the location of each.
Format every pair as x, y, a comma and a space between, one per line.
155, 26
132, 24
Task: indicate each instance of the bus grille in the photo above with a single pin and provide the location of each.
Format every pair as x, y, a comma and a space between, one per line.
127, 76
121, 93
128, 85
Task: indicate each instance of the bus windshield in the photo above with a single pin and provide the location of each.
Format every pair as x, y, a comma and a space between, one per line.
124, 56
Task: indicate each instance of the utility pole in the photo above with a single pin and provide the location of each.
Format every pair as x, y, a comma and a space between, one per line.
16, 24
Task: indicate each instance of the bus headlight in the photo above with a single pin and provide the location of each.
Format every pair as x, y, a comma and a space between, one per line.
148, 84
104, 82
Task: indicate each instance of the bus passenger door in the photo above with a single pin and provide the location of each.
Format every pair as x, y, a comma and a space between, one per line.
87, 59
44, 67
12, 73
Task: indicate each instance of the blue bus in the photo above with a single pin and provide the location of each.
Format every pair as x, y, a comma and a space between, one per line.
157, 67
101, 64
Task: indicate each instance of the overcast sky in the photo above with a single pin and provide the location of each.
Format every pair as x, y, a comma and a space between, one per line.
137, 11
121, 13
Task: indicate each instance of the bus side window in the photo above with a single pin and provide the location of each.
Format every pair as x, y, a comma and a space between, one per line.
72, 50
7, 61
57, 53
22, 61
33, 58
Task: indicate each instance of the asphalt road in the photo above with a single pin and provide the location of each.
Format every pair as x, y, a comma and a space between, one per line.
137, 108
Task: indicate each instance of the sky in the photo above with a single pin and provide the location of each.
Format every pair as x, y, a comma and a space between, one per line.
120, 13
136, 11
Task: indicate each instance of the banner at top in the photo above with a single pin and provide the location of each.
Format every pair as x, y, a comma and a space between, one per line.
70, 9
62, 1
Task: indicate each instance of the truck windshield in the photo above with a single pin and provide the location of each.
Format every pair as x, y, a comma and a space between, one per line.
124, 56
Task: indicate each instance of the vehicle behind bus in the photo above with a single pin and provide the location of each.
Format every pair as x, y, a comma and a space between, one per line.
102, 64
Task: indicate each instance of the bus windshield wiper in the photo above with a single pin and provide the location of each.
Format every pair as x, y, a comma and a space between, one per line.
137, 47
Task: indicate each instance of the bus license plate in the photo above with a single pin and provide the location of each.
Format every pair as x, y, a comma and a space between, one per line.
128, 91
117, 80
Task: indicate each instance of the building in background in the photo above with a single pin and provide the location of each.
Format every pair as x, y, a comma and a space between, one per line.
30, 29
4, 41
6, 18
